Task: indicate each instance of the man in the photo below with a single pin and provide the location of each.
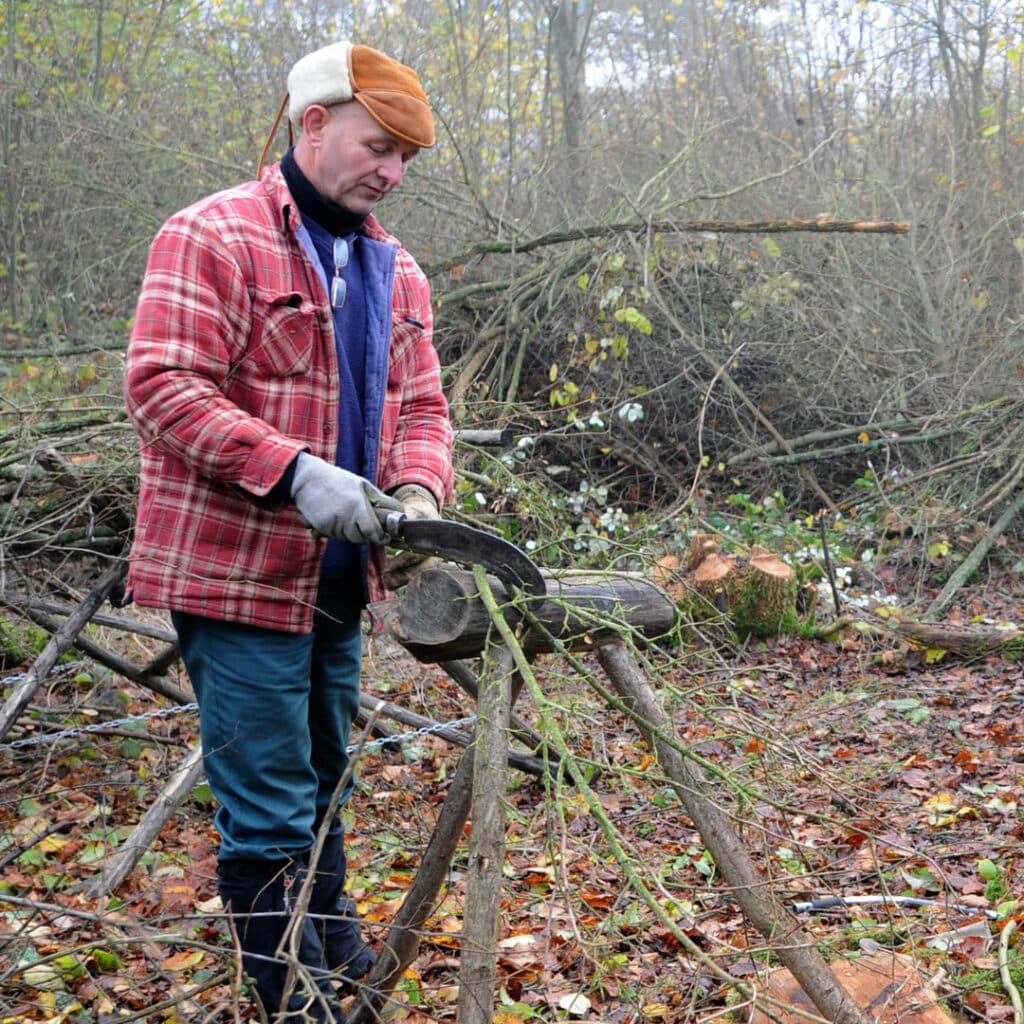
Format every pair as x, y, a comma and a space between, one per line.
282, 376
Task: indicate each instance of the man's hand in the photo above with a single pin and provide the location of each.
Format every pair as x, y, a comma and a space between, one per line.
336, 503
419, 503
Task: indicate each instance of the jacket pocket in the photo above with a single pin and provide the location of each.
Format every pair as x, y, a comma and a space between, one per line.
284, 330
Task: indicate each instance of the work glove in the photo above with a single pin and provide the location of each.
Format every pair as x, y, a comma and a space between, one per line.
402, 568
338, 504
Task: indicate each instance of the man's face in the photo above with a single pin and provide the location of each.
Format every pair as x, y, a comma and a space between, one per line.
350, 158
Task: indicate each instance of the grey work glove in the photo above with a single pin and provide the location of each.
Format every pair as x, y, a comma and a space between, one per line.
400, 569
336, 503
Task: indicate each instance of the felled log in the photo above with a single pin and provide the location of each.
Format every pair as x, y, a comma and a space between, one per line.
970, 641
756, 594
439, 616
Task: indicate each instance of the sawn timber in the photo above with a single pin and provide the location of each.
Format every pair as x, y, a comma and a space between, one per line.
440, 616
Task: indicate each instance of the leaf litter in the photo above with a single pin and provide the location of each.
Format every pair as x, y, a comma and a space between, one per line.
852, 770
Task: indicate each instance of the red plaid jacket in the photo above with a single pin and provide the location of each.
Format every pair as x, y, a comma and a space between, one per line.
231, 372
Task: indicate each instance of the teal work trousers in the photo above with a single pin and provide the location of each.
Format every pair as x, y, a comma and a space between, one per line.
276, 712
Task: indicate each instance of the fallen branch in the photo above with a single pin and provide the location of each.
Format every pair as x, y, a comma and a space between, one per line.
974, 641
828, 454
787, 225
120, 622
967, 567
60, 642
179, 785
873, 430
751, 890
151, 675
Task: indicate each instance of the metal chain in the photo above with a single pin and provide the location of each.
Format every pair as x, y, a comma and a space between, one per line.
405, 737
52, 737
180, 709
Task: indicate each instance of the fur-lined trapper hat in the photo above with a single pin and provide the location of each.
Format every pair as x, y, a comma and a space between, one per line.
389, 91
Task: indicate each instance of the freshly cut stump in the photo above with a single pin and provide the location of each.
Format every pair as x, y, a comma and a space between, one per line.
886, 986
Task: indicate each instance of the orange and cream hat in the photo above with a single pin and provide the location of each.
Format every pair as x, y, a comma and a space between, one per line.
389, 91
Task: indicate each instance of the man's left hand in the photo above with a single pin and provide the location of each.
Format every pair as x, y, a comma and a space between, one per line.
406, 565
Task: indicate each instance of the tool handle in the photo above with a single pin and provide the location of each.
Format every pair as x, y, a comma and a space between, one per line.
393, 522
390, 511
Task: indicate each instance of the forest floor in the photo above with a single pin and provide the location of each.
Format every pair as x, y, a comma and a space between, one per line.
867, 771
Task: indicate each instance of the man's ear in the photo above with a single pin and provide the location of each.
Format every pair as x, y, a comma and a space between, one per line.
314, 119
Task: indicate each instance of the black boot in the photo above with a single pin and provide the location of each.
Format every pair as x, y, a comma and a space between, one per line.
259, 896
346, 954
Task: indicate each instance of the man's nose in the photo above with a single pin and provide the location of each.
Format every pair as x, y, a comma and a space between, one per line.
391, 169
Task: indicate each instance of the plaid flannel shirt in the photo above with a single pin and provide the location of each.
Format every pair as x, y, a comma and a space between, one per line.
231, 372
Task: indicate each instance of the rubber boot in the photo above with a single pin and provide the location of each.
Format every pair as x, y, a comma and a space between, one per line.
346, 954
259, 896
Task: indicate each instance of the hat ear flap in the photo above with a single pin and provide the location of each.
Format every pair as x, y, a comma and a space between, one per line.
323, 77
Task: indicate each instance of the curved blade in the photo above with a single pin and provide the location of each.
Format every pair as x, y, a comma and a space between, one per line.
467, 545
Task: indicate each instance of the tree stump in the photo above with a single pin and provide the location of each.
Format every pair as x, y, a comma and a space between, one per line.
754, 594
887, 986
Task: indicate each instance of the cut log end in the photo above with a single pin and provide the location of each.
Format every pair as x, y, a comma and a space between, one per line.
886, 986
756, 594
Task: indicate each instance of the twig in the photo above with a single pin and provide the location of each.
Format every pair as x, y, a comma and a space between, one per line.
182, 996
24, 847
828, 565
1004, 970
700, 428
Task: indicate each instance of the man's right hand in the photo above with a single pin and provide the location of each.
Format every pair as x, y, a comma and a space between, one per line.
336, 503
